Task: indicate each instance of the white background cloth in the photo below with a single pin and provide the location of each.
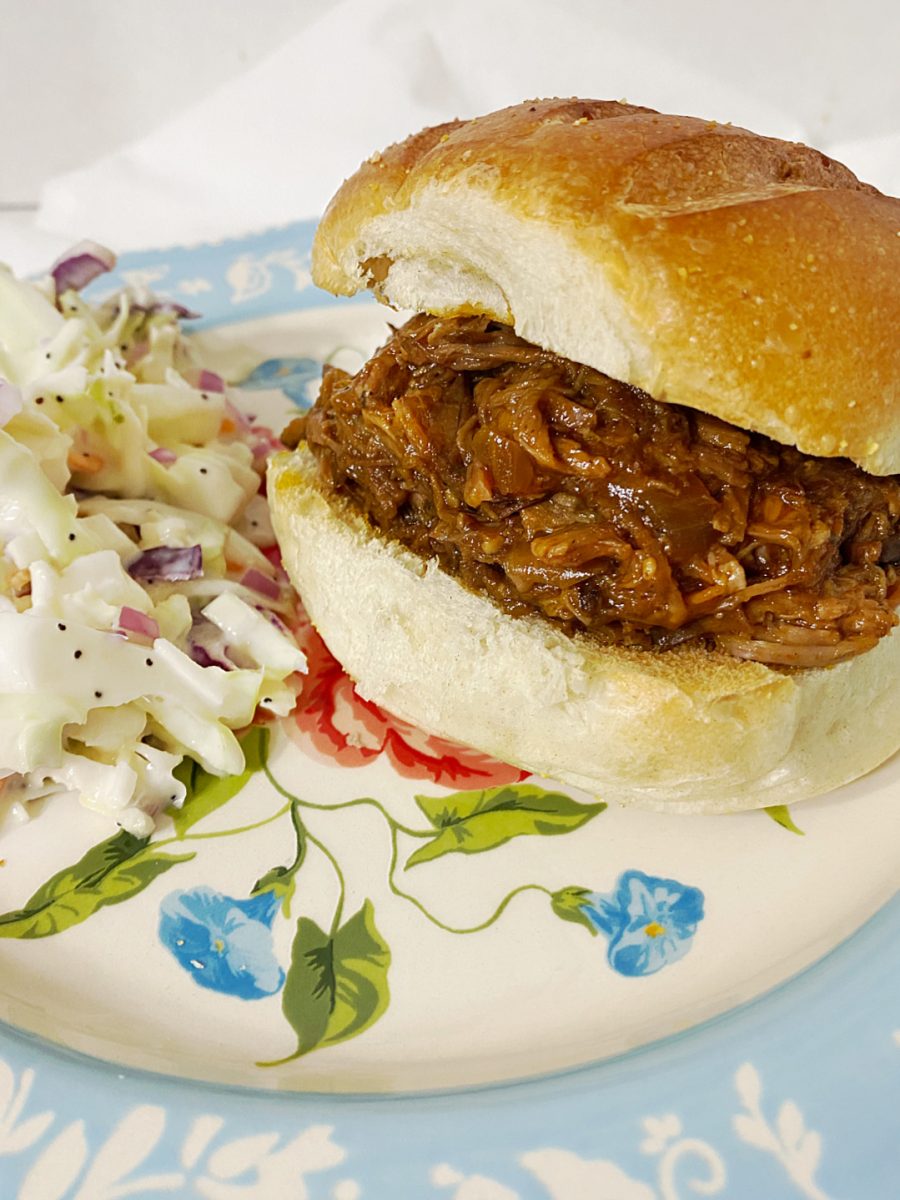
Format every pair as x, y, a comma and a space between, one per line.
271, 143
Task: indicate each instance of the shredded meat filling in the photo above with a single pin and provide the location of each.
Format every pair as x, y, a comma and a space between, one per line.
553, 489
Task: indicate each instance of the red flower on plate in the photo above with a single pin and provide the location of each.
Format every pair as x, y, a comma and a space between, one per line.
343, 726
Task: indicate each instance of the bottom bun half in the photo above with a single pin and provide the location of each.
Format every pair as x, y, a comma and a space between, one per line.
687, 730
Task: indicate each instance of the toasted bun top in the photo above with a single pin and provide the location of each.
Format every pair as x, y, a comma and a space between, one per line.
751, 278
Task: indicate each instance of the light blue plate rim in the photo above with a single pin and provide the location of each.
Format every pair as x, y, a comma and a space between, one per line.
818, 1058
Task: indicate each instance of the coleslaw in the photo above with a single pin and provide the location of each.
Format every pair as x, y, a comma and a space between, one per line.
141, 620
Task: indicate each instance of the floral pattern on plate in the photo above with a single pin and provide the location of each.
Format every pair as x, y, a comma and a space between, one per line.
336, 984
297, 378
650, 922
226, 944
335, 721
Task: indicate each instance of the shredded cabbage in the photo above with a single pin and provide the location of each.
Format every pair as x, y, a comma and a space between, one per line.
108, 451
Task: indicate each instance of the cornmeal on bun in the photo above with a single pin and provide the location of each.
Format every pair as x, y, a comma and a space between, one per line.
621, 503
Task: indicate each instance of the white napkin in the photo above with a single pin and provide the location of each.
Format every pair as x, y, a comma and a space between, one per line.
273, 144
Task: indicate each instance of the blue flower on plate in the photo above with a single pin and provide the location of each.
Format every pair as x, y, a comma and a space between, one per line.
650, 922
225, 944
298, 378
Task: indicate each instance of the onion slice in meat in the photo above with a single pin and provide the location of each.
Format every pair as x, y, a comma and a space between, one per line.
782, 654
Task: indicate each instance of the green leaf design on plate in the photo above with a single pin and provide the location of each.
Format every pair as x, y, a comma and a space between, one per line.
568, 903
206, 792
113, 871
282, 880
337, 984
471, 822
279, 880
781, 815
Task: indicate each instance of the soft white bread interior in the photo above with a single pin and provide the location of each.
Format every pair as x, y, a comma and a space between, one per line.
748, 277
688, 730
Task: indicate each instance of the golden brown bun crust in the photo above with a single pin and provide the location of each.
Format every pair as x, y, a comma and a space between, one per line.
752, 278
686, 730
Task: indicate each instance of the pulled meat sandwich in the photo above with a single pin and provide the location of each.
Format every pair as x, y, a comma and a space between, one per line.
621, 504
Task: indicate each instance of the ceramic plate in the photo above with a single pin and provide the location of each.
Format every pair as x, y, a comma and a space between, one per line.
382, 965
